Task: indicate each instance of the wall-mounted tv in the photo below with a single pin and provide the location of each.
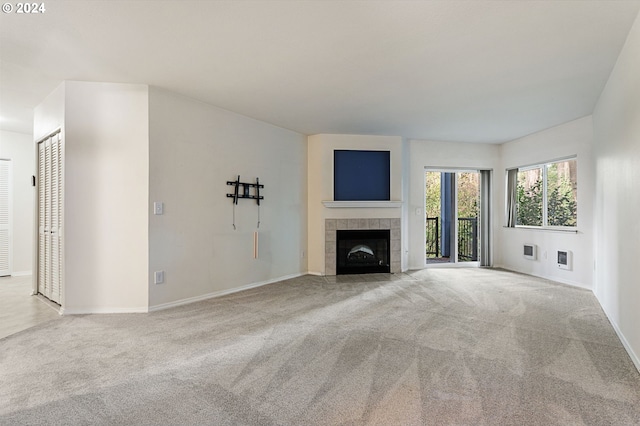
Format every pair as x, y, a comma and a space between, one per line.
361, 175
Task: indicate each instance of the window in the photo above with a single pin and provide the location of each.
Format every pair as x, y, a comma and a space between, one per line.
546, 195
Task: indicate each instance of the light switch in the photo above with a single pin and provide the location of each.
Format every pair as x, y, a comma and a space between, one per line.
158, 208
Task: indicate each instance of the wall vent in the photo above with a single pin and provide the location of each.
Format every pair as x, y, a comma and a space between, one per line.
565, 259
530, 251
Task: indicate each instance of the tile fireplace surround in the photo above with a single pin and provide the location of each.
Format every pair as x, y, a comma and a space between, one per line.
333, 225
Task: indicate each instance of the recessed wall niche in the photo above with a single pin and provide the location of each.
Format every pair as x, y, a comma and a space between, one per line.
361, 175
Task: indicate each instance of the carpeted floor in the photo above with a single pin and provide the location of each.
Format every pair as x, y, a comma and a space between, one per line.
439, 346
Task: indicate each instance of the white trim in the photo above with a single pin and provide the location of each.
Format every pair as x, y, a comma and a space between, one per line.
623, 340
549, 278
103, 310
220, 293
50, 135
567, 282
362, 204
22, 274
456, 169
544, 163
435, 265
49, 303
570, 230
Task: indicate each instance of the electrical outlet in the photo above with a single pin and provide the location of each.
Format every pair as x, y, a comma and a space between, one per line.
158, 208
158, 277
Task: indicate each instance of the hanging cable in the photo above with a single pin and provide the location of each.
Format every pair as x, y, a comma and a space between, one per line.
234, 216
258, 215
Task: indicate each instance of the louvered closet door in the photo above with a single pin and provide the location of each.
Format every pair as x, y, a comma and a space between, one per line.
5, 217
50, 204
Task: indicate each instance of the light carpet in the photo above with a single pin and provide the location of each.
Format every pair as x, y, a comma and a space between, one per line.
434, 347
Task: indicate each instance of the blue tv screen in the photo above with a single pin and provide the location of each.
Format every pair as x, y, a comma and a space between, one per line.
361, 175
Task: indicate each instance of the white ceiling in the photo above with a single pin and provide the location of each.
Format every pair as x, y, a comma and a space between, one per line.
482, 71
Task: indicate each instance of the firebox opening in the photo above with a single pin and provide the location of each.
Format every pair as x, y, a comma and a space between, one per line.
362, 251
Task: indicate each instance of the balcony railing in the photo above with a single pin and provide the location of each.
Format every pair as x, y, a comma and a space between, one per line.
433, 237
467, 238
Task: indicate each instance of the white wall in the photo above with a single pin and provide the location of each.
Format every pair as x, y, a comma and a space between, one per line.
616, 152
18, 147
106, 193
195, 148
320, 172
105, 132
49, 114
444, 155
573, 138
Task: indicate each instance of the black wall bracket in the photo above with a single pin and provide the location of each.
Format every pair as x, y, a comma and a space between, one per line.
243, 190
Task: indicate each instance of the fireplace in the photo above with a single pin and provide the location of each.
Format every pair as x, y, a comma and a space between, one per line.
362, 251
333, 226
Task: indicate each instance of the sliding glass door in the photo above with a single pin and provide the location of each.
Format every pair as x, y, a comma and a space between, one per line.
453, 216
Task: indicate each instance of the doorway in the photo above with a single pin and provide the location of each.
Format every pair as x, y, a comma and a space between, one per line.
6, 209
50, 217
454, 217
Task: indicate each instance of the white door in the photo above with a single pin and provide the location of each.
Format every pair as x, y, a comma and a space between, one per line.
50, 192
5, 217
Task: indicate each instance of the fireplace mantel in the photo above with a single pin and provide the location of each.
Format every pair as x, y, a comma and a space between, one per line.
362, 204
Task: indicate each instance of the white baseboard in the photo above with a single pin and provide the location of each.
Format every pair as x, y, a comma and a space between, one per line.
21, 274
220, 293
567, 282
546, 277
634, 357
103, 310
